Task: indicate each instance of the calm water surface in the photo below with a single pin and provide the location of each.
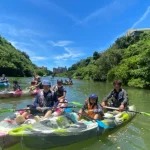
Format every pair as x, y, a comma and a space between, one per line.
134, 135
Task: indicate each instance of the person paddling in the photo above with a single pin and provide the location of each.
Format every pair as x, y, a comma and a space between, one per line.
92, 108
16, 86
118, 96
44, 98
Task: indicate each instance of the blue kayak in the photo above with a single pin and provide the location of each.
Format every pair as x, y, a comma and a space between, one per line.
4, 84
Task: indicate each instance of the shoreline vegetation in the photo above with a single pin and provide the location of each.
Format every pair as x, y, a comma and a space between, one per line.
127, 59
16, 63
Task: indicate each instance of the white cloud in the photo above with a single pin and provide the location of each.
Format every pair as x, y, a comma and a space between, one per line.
54, 7
102, 11
60, 43
22, 46
142, 18
7, 29
72, 53
37, 58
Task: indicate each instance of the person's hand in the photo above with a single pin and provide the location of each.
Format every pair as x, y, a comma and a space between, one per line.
121, 108
38, 108
86, 100
54, 108
103, 104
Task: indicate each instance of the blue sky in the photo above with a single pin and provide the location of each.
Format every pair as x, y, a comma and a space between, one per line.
61, 32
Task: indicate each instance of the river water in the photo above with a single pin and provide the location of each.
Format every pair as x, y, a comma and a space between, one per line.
134, 135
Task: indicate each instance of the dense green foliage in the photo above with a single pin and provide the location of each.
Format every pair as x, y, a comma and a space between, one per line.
16, 63
128, 59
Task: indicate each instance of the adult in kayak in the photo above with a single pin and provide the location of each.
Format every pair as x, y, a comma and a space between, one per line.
44, 98
118, 96
92, 108
16, 86
3, 79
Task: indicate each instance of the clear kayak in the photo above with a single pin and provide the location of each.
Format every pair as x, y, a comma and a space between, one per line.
61, 130
15, 94
4, 84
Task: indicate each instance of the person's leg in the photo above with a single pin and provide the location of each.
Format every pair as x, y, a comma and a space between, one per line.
48, 114
98, 117
21, 118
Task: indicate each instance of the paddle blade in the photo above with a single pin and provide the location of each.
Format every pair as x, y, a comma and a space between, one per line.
148, 114
76, 103
103, 125
6, 110
67, 110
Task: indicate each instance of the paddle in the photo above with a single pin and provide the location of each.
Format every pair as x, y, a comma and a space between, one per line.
100, 123
75, 103
145, 113
43, 108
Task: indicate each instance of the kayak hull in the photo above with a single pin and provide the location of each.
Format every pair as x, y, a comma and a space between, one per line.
16, 94
4, 84
59, 131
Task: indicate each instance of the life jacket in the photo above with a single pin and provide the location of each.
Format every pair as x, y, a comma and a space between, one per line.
59, 90
91, 113
46, 101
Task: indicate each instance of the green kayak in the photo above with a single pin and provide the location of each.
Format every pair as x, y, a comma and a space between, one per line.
62, 130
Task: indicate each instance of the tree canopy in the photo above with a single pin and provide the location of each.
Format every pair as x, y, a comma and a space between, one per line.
127, 59
14, 62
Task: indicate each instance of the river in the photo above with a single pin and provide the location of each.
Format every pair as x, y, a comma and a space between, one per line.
134, 135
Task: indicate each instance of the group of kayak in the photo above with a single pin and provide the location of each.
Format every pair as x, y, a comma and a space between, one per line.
17, 90
50, 117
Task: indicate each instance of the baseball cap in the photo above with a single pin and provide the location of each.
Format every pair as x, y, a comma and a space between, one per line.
46, 82
95, 96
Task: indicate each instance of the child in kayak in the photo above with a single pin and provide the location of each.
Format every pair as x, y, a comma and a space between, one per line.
61, 94
91, 108
16, 86
37, 84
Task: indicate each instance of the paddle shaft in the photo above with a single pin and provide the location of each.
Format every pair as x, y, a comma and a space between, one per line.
113, 108
42, 109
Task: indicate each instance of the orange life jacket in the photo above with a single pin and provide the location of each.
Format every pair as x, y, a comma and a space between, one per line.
91, 113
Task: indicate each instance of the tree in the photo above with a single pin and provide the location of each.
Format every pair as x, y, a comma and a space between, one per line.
95, 55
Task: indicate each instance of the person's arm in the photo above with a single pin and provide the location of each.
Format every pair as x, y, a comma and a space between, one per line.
85, 106
107, 97
35, 103
53, 88
125, 98
55, 98
64, 94
99, 109
20, 88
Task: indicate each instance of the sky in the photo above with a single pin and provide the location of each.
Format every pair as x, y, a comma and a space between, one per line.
59, 33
